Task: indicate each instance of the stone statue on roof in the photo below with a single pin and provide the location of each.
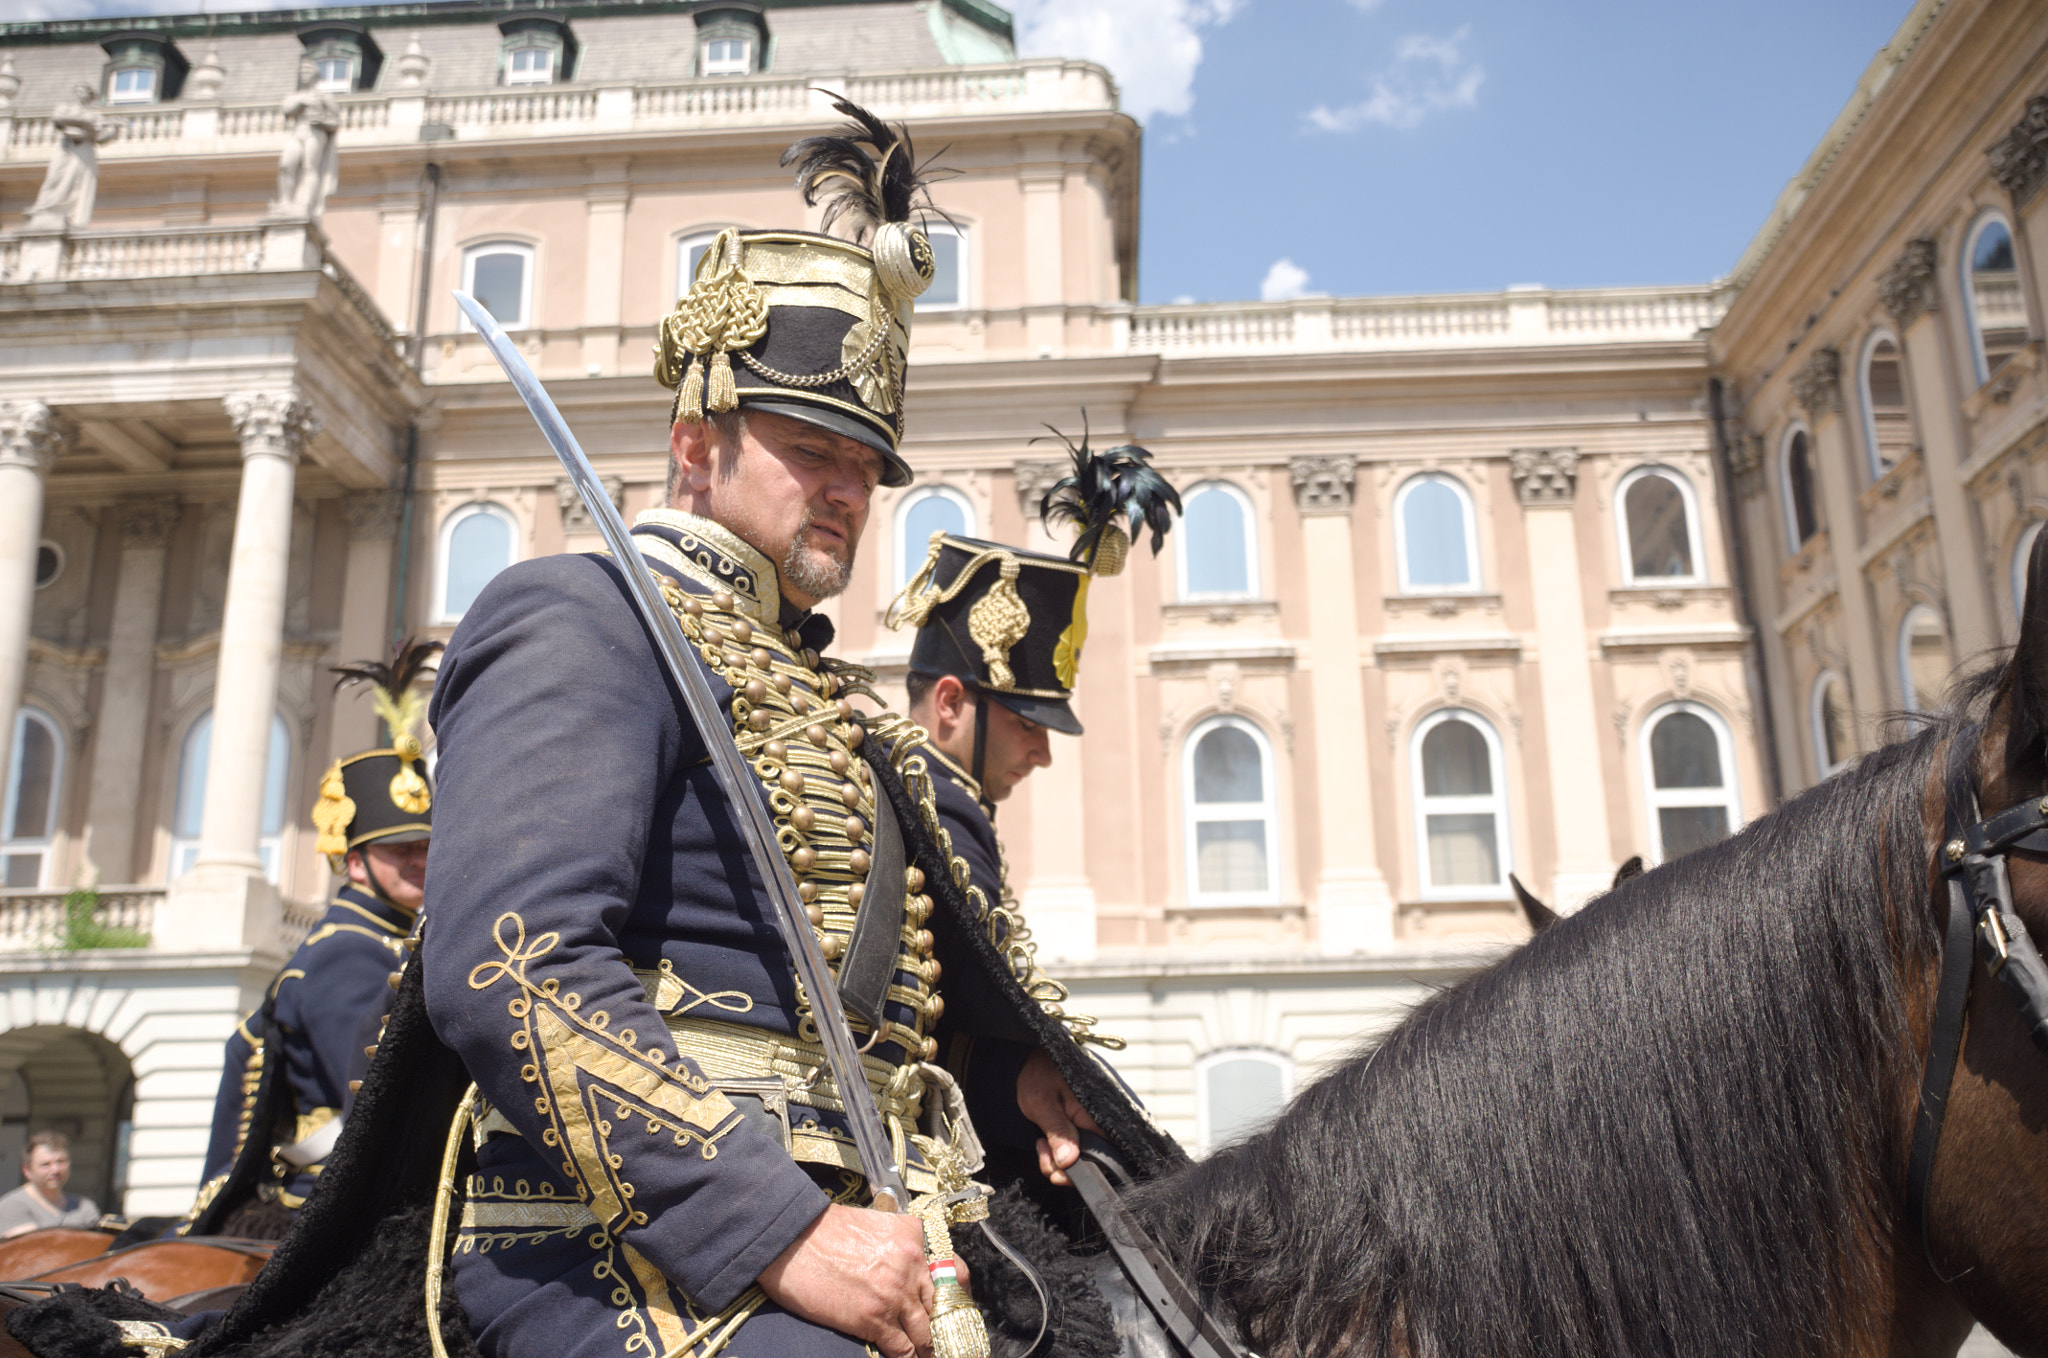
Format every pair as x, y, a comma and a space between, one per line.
72, 179
310, 165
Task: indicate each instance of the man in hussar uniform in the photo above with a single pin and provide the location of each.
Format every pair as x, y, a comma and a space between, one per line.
662, 1161
288, 1065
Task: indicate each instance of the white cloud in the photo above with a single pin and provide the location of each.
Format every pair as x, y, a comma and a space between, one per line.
1284, 282
1366, 6
1428, 75
1152, 47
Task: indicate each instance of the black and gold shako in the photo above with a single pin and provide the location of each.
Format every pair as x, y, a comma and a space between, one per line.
382, 795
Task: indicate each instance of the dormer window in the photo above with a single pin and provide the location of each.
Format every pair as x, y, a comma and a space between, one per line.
539, 50
337, 75
728, 56
134, 85
142, 68
344, 57
732, 39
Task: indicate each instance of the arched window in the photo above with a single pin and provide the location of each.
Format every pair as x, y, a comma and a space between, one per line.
1924, 662
1660, 526
2022, 552
948, 288
189, 806
1795, 462
1239, 1091
1887, 419
500, 276
1689, 760
928, 510
1435, 541
476, 543
1227, 788
1461, 807
1996, 312
28, 814
1833, 745
1218, 553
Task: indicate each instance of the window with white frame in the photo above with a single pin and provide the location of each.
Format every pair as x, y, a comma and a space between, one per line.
689, 250
1227, 788
1659, 525
949, 268
132, 85
2022, 553
1239, 1092
1436, 545
530, 66
1833, 743
337, 75
188, 806
1217, 550
1924, 661
28, 813
923, 512
728, 56
1689, 768
1795, 469
500, 276
1887, 418
1461, 806
1996, 312
476, 543
49, 563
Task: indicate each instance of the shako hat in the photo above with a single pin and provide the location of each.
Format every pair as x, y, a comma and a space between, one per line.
812, 326
383, 795
1011, 623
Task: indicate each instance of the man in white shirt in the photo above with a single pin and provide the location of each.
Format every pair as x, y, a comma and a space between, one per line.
41, 1201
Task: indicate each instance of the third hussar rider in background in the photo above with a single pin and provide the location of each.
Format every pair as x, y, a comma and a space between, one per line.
288, 1065
999, 637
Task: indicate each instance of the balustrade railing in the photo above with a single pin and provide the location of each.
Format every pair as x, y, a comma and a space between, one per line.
156, 254
36, 921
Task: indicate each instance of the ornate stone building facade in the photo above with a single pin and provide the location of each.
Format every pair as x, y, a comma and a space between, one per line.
1453, 596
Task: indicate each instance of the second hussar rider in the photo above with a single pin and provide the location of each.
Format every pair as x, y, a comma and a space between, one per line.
662, 1165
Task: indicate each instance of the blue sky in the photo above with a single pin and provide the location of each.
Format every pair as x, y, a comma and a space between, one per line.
1395, 146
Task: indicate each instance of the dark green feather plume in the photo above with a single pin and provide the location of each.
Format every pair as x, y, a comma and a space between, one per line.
1104, 488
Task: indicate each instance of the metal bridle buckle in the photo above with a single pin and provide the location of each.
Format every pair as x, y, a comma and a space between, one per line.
1993, 930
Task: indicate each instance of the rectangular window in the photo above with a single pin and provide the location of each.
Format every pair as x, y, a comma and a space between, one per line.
727, 56
530, 66
337, 75
136, 85
946, 289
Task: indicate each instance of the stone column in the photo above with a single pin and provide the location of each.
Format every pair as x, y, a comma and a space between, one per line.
1818, 388
30, 437
224, 902
365, 613
122, 729
1059, 900
1546, 480
1909, 292
1354, 908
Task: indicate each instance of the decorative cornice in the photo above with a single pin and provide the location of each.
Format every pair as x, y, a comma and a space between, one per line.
1323, 485
272, 423
2019, 159
1545, 476
576, 518
1907, 287
31, 435
372, 515
1818, 386
146, 524
1034, 479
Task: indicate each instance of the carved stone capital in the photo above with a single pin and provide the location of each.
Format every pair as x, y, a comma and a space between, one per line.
2019, 159
146, 524
31, 435
1322, 485
1545, 476
272, 423
1907, 287
372, 514
1818, 386
576, 518
1034, 479
1746, 462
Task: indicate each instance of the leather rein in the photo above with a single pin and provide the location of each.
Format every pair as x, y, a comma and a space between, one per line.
1971, 865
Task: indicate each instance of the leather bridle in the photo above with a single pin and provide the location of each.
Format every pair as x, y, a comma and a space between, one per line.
1971, 863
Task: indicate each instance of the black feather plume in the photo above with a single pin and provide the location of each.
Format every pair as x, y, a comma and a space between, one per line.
392, 692
1105, 487
864, 173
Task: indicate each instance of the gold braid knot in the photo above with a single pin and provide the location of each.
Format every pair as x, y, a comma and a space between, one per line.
723, 314
997, 622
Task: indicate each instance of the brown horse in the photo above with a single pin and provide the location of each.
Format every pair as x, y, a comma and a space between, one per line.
164, 1269
25, 1256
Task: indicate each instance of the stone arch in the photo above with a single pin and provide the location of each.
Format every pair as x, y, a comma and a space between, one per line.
79, 1083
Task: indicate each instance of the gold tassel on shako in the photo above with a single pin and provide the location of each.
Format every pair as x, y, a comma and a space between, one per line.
723, 313
331, 816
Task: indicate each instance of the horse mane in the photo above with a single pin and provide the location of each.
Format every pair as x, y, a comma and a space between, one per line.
1661, 1128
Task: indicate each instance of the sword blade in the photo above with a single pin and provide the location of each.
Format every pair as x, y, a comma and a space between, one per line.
742, 788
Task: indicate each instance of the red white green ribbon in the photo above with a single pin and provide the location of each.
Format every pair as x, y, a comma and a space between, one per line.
944, 1271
